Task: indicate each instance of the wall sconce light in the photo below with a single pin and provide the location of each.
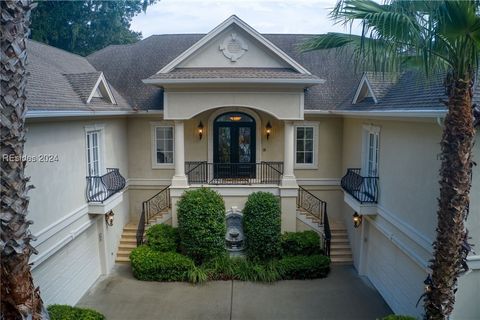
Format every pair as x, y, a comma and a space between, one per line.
268, 129
200, 130
357, 220
109, 218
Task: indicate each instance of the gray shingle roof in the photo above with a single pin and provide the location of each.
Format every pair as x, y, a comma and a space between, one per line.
126, 65
59, 80
233, 73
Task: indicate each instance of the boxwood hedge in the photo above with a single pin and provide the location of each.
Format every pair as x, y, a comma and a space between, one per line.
64, 312
301, 243
162, 238
303, 267
201, 224
148, 264
261, 223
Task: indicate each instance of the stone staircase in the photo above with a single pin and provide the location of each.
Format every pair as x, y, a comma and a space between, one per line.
340, 251
128, 241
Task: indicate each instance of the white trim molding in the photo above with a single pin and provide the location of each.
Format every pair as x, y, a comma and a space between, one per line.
474, 262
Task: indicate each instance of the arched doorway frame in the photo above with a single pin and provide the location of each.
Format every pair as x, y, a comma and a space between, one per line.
251, 113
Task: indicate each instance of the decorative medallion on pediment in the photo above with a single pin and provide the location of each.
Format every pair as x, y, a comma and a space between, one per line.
233, 47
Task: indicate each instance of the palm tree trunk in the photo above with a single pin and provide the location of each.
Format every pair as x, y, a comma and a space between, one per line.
455, 182
19, 297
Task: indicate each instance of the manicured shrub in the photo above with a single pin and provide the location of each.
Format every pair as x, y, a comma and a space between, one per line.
304, 267
201, 224
148, 264
398, 317
221, 268
64, 312
304, 243
162, 238
261, 224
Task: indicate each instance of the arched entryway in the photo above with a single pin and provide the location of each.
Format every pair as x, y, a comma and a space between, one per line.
234, 145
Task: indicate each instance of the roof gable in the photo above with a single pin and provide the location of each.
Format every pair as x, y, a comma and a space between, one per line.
235, 44
364, 90
90, 85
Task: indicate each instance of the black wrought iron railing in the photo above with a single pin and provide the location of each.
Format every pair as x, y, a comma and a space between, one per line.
151, 208
202, 172
364, 189
317, 208
100, 188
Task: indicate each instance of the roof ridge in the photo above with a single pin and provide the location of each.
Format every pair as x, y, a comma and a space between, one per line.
63, 50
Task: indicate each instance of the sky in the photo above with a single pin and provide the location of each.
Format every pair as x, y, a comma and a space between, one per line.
266, 16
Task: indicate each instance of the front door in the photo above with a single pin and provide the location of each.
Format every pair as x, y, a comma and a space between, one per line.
234, 146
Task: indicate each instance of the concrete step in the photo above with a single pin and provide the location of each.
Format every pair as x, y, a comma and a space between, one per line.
342, 252
130, 228
341, 260
127, 245
339, 234
339, 246
123, 253
122, 260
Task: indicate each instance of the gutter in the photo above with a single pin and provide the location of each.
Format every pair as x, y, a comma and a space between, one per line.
233, 80
385, 113
38, 114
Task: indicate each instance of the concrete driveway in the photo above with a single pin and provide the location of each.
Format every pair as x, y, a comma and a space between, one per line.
343, 295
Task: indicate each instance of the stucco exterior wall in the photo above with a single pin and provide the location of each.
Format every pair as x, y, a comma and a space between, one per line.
69, 239
392, 248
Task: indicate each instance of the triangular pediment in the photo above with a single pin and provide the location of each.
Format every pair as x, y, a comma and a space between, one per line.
234, 44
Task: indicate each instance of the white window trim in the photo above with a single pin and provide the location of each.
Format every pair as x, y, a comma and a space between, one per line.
368, 129
153, 134
304, 166
101, 145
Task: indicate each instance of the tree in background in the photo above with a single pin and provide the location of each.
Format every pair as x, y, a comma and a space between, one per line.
20, 299
436, 36
83, 27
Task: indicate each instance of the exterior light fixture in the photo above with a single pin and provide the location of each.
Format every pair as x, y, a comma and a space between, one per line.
200, 130
268, 129
357, 220
236, 118
109, 218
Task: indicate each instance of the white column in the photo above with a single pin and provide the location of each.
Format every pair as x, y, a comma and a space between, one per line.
179, 179
288, 178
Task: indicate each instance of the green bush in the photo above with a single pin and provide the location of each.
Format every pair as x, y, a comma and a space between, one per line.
162, 238
304, 267
304, 243
261, 224
148, 264
398, 317
64, 312
201, 224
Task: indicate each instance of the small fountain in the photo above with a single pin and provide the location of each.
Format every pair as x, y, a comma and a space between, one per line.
235, 238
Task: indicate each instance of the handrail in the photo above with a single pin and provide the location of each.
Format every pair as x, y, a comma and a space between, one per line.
100, 188
317, 208
203, 172
150, 208
363, 189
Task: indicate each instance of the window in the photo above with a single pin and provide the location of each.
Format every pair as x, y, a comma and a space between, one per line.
163, 142
305, 146
371, 151
93, 153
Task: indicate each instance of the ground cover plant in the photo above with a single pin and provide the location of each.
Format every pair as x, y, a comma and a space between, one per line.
170, 253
